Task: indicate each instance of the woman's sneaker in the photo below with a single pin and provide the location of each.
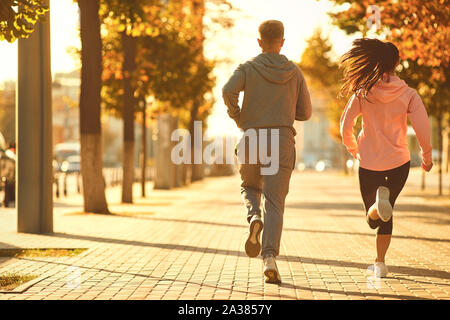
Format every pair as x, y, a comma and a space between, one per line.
253, 245
383, 205
271, 270
378, 269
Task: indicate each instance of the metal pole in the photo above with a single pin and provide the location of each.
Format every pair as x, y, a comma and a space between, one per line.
34, 172
144, 149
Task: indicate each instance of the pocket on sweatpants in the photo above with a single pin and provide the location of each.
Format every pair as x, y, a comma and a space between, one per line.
287, 154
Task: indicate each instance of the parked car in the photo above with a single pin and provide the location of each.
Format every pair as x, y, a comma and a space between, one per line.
7, 172
72, 164
65, 150
322, 165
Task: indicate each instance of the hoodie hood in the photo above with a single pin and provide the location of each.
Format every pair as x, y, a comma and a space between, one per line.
388, 89
274, 67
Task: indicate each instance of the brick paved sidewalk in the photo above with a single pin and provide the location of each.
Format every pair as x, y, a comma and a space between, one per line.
188, 244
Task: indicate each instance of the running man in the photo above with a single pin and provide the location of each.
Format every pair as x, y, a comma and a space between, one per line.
275, 94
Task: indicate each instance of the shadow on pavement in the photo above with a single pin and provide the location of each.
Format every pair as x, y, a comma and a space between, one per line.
427, 218
3, 245
352, 293
419, 281
284, 229
426, 196
394, 269
232, 289
325, 205
66, 205
165, 279
359, 206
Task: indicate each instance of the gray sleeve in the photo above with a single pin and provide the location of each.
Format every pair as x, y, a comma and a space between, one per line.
230, 93
304, 109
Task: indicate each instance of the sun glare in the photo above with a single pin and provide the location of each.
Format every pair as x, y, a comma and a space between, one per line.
233, 46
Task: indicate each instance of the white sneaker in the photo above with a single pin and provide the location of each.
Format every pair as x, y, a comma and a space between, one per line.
378, 269
271, 270
382, 204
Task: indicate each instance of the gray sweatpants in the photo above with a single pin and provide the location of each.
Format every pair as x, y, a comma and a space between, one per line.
273, 189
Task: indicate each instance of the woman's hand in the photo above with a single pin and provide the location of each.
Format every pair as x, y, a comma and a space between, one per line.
426, 167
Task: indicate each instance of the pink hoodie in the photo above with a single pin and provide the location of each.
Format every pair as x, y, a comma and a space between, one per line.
382, 143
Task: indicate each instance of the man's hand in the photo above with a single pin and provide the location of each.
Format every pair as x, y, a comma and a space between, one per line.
428, 167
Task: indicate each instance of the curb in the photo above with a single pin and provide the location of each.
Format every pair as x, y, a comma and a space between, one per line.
25, 286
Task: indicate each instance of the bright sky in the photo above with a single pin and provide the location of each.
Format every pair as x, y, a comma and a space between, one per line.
300, 18
64, 24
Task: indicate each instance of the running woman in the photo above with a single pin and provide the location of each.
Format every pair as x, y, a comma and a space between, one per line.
385, 102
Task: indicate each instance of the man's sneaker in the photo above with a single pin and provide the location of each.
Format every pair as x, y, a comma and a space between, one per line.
271, 270
382, 204
378, 269
253, 245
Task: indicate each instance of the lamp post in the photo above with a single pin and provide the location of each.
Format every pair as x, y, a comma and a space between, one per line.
148, 101
34, 171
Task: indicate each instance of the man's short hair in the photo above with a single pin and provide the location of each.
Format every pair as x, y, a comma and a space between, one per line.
271, 30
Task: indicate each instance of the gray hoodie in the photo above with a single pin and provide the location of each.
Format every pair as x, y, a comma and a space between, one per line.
275, 93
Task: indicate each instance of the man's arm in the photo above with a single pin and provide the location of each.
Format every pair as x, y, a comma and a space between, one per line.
230, 93
304, 110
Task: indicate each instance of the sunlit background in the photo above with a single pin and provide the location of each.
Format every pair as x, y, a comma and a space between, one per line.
107, 177
236, 45
318, 140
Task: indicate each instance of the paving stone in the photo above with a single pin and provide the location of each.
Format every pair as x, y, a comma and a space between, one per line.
192, 247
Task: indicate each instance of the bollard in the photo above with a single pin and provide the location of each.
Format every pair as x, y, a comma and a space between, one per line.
165, 169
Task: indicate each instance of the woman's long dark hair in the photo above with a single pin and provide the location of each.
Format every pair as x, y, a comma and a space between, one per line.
365, 63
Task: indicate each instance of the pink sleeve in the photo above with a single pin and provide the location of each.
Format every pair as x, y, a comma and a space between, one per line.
418, 116
348, 120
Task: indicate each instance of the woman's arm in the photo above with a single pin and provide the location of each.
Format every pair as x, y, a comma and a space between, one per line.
348, 120
418, 117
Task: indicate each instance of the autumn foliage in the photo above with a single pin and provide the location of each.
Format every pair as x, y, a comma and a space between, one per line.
169, 60
18, 17
420, 29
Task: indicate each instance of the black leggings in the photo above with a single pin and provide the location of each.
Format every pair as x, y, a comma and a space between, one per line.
369, 181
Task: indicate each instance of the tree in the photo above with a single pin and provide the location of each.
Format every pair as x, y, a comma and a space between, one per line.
421, 32
18, 17
125, 20
90, 125
7, 114
129, 106
143, 56
202, 82
323, 75
169, 62
435, 95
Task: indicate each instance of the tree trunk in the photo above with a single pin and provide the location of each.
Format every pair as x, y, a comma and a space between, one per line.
144, 148
90, 126
129, 65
